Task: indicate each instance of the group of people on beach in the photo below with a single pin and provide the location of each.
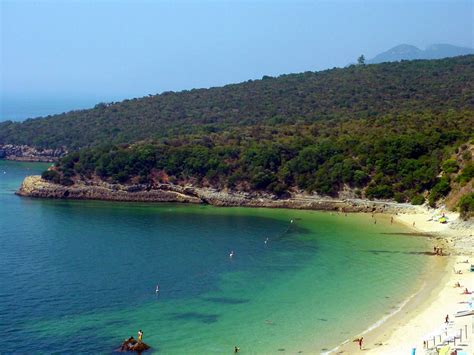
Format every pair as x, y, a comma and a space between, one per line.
438, 251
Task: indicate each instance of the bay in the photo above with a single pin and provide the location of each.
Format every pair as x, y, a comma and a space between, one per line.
81, 275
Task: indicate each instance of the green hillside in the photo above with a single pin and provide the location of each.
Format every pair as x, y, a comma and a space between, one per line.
382, 131
356, 92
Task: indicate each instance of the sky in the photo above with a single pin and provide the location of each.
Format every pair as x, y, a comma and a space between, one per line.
63, 55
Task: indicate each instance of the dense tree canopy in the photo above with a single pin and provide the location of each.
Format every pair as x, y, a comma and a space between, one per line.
355, 92
385, 131
392, 157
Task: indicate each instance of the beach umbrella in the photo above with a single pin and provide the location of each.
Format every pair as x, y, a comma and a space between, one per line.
444, 350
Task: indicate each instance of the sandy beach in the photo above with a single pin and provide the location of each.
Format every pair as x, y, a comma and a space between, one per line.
423, 316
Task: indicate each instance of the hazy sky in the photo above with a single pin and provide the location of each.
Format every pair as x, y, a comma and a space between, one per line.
89, 51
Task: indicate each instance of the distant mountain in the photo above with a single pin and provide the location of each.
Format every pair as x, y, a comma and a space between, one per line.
409, 52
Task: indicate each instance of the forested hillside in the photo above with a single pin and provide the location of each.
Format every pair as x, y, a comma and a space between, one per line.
382, 131
356, 92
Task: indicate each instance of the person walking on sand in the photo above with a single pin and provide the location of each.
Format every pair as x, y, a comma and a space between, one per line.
446, 320
359, 341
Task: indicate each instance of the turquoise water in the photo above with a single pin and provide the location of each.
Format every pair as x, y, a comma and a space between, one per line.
81, 275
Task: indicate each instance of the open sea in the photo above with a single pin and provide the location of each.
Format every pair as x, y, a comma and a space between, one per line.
80, 276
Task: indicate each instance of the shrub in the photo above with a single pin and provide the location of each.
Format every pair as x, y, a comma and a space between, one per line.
450, 166
379, 191
467, 155
441, 189
400, 197
418, 199
66, 181
466, 174
466, 206
51, 175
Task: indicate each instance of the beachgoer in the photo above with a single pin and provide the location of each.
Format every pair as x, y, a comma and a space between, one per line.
140, 335
457, 284
291, 221
446, 320
466, 291
391, 220
413, 223
157, 289
236, 349
266, 241
231, 254
360, 340
435, 250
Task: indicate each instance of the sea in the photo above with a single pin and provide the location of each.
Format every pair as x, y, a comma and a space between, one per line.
81, 276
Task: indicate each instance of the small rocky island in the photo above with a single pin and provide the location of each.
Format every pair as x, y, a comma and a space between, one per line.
133, 345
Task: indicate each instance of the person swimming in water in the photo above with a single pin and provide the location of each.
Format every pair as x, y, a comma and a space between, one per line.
231, 254
266, 241
236, 349
157, 289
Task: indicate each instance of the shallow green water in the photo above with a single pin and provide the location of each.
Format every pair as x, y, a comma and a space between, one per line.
81, 275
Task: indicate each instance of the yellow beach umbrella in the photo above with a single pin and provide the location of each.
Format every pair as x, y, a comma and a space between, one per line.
444, 350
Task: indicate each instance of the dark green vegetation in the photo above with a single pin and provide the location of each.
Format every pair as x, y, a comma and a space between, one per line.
356, 92
466, 205
386, 131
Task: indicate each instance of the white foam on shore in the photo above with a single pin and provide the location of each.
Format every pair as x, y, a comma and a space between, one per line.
380, 321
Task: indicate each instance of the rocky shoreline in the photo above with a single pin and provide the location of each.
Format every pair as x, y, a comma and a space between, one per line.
30, 154
35, 186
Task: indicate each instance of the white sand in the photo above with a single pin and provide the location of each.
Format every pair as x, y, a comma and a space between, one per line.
417, 325
425, 314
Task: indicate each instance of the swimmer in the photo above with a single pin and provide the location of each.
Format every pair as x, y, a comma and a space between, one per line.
157, 289
266, 241
291, 221
231, 254
236, 349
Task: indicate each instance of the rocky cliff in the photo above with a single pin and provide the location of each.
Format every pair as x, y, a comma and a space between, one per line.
27, 153
35, 186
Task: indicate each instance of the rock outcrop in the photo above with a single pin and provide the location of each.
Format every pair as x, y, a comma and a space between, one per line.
35, 186
32, 154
